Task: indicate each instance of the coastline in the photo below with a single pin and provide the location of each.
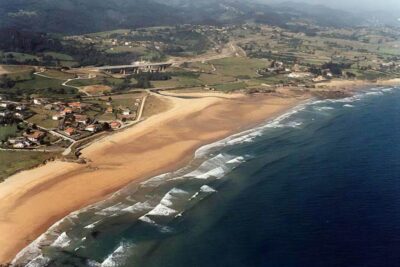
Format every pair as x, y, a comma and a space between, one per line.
34, 200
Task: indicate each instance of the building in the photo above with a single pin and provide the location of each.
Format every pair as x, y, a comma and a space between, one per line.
126, 112
66, 111
20, 107
37, 101
4, 105
70, 131
109, 110
57, 117
77, 105
4, 113
21, 144
94, 128
19, 115
81, 118
35, 136
319, 79
115, 125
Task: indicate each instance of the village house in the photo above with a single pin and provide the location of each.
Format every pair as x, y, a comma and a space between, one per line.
38, 101
115, 125
20, 107
66, 111
4, 105
94, 128
318, 79
4, 113
48, 107
19, 115
109, 110
81, 118
126, 112
70, 131
57, 117
20, 144
35, 136
77, 105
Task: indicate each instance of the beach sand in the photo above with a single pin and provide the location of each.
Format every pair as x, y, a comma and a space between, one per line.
31, 201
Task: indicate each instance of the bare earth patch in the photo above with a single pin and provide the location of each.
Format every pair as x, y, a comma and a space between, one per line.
3, 70
96, 89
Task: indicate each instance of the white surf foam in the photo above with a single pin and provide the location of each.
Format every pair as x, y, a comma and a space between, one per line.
112, 210
119, 256
374, 93
62, 241
138, 207
348, 106
161, 210
215, 167
207, 189
323, 108
172, 195
250, 135
39, 261
237, 160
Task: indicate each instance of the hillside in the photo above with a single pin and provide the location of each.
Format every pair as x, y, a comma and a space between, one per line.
83, 16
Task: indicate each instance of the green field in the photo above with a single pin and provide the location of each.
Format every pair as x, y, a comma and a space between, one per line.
7, 131
56, 74
231, 86
96, 81
59, 56
239, 67
44, 119
38, 83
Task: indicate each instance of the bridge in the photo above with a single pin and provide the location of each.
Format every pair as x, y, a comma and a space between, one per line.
135, 68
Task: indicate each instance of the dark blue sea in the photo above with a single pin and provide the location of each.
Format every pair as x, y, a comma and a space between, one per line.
319, 186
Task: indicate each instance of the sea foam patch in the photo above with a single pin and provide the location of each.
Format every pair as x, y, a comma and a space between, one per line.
62, 241
119, 255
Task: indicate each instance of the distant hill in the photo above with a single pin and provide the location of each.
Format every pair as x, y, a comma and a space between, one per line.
83, 16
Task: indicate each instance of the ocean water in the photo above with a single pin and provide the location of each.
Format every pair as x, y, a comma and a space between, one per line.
319, 186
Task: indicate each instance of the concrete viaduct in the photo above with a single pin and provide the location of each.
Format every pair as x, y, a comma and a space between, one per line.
136, 68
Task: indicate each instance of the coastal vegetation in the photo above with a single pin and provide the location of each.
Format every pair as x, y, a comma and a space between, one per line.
12, 162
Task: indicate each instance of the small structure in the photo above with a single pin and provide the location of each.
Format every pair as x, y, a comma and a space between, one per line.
37, 101
4, 105
35, 136
126, 112
4, 113
81, 118
19, 115
115, 125
20, 107
70, 131
319, 79
57, 117
109, 110
66, 111
94, 128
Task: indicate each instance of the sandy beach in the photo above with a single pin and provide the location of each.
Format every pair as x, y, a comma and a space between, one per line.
31, 201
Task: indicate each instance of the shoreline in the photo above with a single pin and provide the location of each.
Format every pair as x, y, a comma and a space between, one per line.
23, 195
25, 207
